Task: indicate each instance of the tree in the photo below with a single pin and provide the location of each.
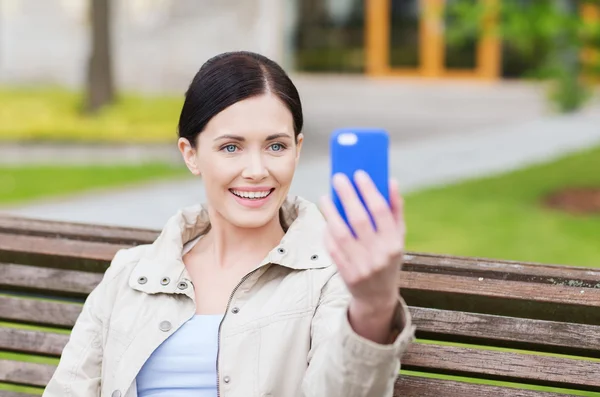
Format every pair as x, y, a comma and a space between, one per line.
100, 86
563, 28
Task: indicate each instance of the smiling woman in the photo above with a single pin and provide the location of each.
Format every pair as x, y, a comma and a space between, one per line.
251, 136
241, 296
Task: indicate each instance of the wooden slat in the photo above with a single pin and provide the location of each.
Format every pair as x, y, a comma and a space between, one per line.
57, 253
510, 367
562, 338
47, 280
32, 342
76, 231
414, 386
25, 374
503, 270
4, 393
507, 298
520, 333
39, 312
441, 264
422, 262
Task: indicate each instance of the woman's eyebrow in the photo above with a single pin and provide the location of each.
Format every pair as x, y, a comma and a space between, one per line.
230, 137
278, 136
240, 138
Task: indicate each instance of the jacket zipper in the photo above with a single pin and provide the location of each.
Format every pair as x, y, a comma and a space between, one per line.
221, 323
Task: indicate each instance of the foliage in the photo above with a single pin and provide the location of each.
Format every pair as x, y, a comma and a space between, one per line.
564, 34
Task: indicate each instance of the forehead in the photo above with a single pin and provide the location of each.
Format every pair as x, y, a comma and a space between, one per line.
254, 117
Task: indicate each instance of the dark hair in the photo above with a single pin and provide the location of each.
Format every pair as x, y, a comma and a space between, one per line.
229, 78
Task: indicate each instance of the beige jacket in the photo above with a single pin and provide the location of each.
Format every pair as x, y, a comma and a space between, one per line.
285, 332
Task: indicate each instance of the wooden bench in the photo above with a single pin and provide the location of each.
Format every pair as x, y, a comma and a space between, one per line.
475, 304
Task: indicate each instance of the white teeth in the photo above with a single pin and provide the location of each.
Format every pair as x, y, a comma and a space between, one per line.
251, 195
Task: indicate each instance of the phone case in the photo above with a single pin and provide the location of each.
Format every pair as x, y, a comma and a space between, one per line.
353, 149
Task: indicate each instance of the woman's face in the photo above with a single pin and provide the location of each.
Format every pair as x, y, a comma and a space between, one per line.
246, 156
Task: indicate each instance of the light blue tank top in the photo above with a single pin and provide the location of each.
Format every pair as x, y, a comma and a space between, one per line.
184, 365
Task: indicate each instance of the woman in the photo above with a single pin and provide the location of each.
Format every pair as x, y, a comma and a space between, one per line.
255, 294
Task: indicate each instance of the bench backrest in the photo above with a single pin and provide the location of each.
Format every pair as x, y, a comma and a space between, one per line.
476, 318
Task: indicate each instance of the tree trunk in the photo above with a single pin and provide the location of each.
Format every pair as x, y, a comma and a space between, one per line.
100, 88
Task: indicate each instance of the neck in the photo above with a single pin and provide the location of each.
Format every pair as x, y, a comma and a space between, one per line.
232, 245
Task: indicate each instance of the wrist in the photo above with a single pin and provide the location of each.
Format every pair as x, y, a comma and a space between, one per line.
373, 321
373, 309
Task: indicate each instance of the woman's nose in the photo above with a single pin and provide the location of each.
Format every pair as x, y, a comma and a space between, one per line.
255, 168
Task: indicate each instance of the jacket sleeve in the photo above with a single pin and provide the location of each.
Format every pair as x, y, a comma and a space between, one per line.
341, 362
79, 370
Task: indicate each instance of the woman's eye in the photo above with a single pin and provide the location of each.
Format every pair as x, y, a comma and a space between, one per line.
229, 148
277, 147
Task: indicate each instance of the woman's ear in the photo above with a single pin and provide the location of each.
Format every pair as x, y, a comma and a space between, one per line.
189, 155
299, 141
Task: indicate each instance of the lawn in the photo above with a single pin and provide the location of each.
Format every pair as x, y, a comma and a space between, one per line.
501, 217
53, 114
23, 183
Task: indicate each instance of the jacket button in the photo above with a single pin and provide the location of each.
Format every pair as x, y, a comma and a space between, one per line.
235, 310
142, 280
165, 280
281, 250
314, 257
165, 326
226, 379
116, 393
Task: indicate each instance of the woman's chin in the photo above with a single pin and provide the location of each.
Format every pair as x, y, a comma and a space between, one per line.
252, 217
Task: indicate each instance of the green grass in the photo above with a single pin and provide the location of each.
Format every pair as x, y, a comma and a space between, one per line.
23, 183
53, 114
21, 389
501, 217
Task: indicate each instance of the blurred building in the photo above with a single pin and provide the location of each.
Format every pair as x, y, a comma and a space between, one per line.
159, 44
406, 38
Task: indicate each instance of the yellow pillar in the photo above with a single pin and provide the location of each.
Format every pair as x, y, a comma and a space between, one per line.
489, 52
432, 38
377, 36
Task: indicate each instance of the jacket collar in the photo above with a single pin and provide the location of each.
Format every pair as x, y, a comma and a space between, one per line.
161, 268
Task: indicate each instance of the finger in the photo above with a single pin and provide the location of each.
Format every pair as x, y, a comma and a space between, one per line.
335, 224
396, 202
334, 218
377, 204
341, 235
356, 213
351, 269
337, 254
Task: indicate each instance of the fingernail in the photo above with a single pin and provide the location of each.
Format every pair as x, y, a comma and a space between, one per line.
361, 175
338, 178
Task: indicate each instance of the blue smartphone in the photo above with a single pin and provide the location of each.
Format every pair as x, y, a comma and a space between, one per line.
353, 149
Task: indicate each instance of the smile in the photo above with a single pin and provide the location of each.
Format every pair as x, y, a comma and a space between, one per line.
257, 195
